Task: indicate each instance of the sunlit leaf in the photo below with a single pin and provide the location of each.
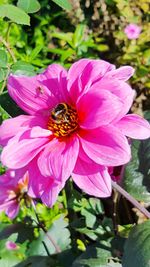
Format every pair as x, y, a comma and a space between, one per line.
2, 75
15, 14
65, 4
3, 58
29, 6
23, 68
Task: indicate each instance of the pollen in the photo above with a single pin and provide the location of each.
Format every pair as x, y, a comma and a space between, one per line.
63, 120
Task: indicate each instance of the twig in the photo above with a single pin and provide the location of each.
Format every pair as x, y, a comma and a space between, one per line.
8, 30
57, 248
7, 45
131, 199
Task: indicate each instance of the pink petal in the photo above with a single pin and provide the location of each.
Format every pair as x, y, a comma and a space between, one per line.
46, 188
83, 73
83, 156
13, 210
95, 182
134, 126
51, 189
11, 127
55, 79
119, 88
35, 179
21, 149
97, 108
123, 73
59, 158
28, 93
39, 132
106, 146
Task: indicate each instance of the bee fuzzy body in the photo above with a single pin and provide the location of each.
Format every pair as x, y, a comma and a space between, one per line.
60, 113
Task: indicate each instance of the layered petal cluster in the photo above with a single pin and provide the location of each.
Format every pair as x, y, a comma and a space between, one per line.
26, 183
12, 187
76, 125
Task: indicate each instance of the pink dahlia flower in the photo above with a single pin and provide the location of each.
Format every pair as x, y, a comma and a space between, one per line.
12, 189
77, 123
10, 245
24, 183
132, 31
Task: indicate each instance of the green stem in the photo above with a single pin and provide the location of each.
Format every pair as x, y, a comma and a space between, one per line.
8, 30
5, 80
7, 45
115, 201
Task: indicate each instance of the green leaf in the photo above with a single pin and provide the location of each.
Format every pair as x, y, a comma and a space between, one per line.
2, 75
23, 68
78, 35
58, 232
15, 14
146, 57
29, 6
3, 58
137, 171
3, 115
95, 256
35, 52
63, 3
63, 36
142, 71
102, 254
102, 47
137, 247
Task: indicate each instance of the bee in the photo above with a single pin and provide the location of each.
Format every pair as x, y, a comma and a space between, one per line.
60, 113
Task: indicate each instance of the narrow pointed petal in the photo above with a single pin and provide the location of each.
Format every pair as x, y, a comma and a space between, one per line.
134, 126
11, 207
21, 149
120, 89
55, 80
59, 158
46, 188
51, 189
11, 127
93, 181
106, 146
97, 108
123, 73
28, 93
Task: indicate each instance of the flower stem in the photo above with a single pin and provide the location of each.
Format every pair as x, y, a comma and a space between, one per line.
7, 45
131, 199
57, 248
5, 80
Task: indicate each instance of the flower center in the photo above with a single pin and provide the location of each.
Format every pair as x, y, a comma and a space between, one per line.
63, 120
